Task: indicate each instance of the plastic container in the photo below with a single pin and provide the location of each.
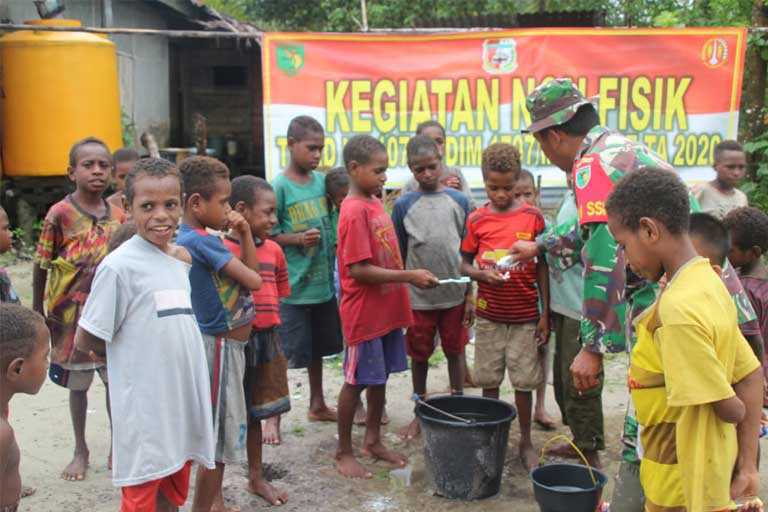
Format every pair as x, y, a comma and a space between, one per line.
567, 487
58, 87
466, 460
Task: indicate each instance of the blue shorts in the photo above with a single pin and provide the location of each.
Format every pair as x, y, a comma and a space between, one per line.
369, 363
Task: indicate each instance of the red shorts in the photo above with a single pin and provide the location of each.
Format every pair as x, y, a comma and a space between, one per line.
420, 337
143, 497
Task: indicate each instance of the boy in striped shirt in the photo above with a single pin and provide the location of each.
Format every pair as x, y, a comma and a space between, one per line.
509, 330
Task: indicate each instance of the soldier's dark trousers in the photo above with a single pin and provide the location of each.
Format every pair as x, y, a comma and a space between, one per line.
582, 413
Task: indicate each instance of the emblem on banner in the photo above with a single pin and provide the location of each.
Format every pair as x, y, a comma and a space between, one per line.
499, 56
290, 58
714, 53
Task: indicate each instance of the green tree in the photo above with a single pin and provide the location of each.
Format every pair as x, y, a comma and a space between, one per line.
345, 15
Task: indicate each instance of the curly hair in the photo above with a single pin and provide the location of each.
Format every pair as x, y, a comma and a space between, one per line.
19, 332
336, 179
501, 157
654, 193
200, 174
726, 145
153, 167
429, 124
301, 126
360, 148
77, 146
121, 235
713, 232
749, 228
125, 155
244, 188
421, 144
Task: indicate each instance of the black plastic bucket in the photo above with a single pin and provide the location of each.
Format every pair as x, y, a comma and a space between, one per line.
567, 488
466, 459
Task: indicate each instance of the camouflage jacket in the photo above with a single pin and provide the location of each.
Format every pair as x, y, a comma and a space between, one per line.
603, 159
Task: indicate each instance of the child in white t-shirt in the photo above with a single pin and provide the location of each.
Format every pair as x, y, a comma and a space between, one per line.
139, 317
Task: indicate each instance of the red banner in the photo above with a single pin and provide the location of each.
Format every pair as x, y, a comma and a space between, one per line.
677, 90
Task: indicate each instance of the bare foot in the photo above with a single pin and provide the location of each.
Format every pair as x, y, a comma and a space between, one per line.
27, 491
528, 456
360, 414
75, 470
384, 416
380, 452
563, 450
218, 505
544, 420
324, 414
271, 432
269, 492
411, 431
348, 466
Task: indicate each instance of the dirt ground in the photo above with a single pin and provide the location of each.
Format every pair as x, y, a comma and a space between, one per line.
303, 464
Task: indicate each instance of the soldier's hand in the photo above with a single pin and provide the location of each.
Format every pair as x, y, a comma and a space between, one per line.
524, 251
585, 370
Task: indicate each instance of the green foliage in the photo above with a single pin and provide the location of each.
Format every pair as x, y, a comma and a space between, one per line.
128, 129
757, 189
345, 15
759, 41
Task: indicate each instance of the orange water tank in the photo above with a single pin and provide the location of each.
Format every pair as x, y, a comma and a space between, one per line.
56, 88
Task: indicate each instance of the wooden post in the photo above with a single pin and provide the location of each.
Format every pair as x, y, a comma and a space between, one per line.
364, 14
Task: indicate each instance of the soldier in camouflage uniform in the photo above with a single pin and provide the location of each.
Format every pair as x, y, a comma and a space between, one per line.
566, 125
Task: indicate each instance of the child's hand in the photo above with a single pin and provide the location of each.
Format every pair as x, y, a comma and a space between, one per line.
96, 358
542, 332
491, 277
310, 237
237, 222
423, 279
469, 311
744, 486
452, 182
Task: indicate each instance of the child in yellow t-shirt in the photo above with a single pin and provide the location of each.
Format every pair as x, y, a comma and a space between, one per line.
693, 377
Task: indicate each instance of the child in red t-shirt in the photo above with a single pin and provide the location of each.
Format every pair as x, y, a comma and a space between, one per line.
509, 331
374, 302
266, 368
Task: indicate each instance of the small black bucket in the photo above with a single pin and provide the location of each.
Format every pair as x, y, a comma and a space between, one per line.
567, 488
466, 459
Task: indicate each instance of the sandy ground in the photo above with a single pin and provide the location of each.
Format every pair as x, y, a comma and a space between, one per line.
303, 464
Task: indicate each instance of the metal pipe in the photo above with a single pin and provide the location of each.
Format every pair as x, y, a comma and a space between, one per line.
199, 34
106, 13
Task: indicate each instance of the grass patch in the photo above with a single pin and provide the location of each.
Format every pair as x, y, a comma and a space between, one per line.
438, 358
298, 431
335, 362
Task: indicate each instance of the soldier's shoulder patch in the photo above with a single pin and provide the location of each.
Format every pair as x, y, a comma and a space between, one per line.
592, 187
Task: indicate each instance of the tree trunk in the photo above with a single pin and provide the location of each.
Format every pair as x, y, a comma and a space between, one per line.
753, 95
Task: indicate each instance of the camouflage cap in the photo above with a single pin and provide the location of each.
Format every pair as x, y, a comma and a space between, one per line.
553, 103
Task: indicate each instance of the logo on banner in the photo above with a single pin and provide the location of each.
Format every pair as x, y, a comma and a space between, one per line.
499, 56
714, 53
290, 58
